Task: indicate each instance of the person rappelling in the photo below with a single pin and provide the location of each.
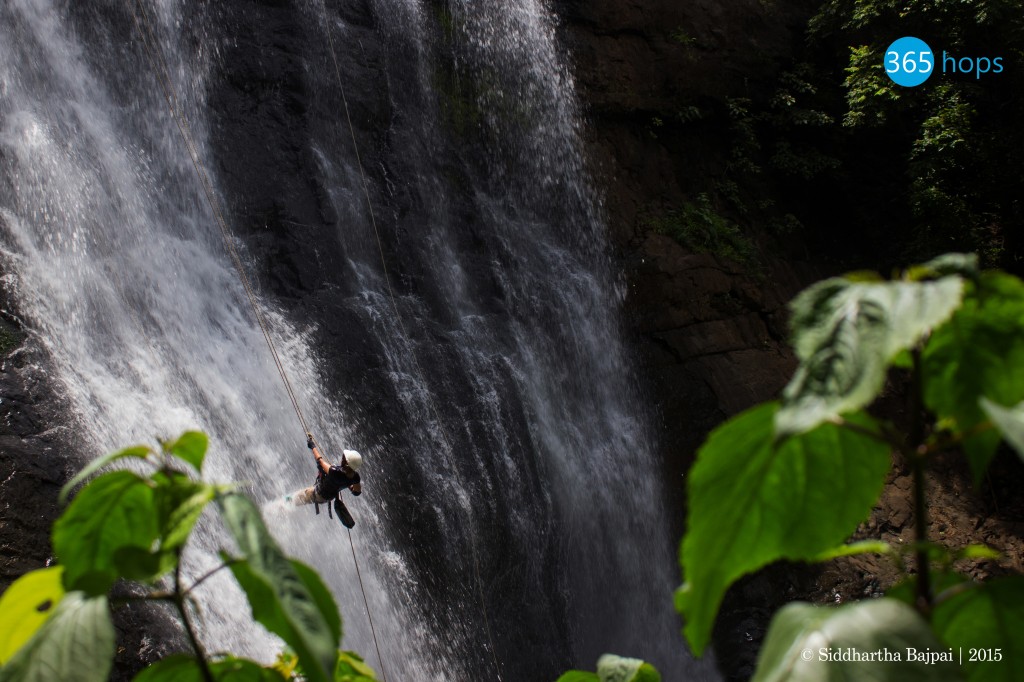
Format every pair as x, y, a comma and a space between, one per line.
331, 480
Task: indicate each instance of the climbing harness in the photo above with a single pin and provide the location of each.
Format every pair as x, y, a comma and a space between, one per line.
162, 70
401, 325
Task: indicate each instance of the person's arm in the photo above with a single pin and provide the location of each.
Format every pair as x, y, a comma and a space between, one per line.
356, 488
324, 465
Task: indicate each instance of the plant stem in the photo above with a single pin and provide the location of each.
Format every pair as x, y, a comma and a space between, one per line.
180, 599
918, 461
209, 574
879, 436
924, 588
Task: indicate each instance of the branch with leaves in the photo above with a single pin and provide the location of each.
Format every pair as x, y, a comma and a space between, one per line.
126, 525
792, 479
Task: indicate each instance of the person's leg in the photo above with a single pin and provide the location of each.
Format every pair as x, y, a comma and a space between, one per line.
307, 496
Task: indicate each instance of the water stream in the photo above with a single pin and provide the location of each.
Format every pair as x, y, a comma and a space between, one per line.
513, 523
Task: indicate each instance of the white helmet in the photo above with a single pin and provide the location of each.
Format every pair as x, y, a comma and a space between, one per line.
353, 459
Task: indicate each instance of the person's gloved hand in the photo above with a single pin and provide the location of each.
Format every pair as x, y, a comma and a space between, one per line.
309, 441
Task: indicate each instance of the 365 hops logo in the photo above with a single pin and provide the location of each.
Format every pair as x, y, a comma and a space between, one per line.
909, 62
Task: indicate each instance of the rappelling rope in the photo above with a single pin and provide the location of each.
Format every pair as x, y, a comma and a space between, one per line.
401, 325
359, 575
163, 75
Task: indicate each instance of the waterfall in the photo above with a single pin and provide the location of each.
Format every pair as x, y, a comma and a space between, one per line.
460, 328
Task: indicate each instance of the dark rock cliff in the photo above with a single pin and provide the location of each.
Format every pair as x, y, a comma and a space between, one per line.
712, 331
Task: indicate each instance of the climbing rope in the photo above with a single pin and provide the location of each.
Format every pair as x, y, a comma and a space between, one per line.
405, 334
159, 64
366, 604
163, 74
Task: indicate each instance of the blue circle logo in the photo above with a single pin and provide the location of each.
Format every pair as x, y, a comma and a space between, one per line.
909, 61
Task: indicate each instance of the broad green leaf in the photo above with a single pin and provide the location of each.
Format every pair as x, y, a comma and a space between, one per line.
182, 518
807, 643
186, 668
136, 452
752, 502
990, 618
26, 605
965, 264
578, 676
978, 353
75, 645
136, 563
322, 597
351, 668
280, 600
273, 618
191, 447
846, 334
978, 552
854, 548
113, 511
1009, 421
612, 668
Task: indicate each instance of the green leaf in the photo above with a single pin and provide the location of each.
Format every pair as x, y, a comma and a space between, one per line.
1009, 421
136, 563
279, 598
612, 668
75, 645
190, 501
578, 676
979, 353
115, 510
185, 668
990, 618
978, 552
965, 264
351, 668
752, 503
806, 643
854, 548
322, 597
26, 605
191, 447
845, 335
136, 452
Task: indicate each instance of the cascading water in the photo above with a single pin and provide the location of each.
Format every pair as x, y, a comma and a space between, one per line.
512, 521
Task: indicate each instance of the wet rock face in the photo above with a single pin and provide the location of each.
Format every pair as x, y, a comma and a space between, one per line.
36, 437
712, 332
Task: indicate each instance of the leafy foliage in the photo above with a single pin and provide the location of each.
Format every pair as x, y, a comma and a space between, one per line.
803, 640
280, 598
792, 480
123, 524
699, 226
987, 617
27, 604
752, 502
980, 353
846, 332
612, 668
183, 668
115, 511
75, 645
